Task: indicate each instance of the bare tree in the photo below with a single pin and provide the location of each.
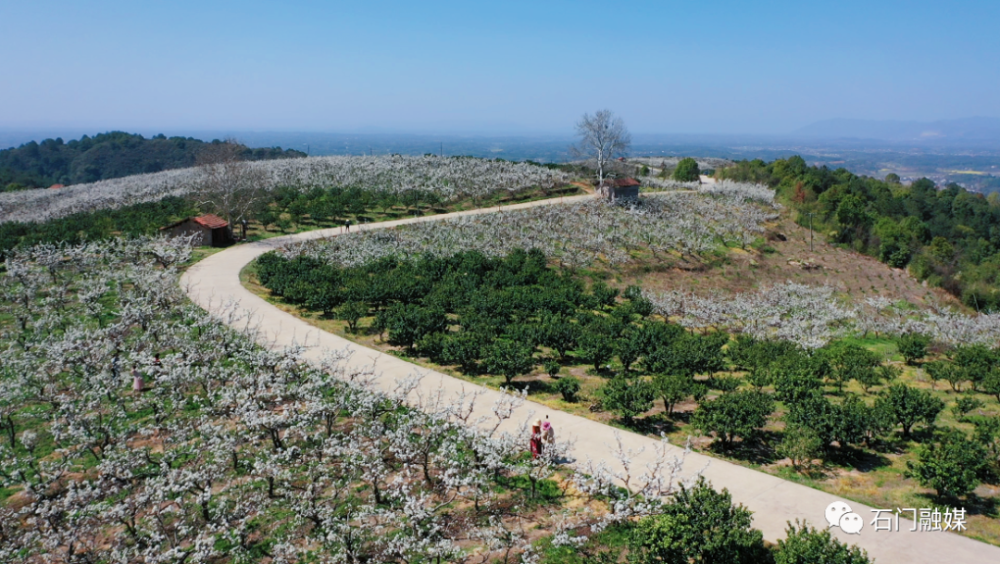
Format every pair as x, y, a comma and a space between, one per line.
231, 186
602, 137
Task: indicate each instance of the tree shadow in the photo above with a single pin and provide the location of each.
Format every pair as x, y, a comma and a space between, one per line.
918, 435
534, 386
649, 425
858, 459
682, 416
755, 451
973, 504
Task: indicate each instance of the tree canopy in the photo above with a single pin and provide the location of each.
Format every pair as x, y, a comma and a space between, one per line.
107, 155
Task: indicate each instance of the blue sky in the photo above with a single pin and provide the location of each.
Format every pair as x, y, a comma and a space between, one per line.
500, 67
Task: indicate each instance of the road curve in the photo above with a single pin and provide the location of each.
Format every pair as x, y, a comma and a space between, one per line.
214, 282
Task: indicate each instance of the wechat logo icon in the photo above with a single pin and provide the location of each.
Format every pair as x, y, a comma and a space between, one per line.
839, 514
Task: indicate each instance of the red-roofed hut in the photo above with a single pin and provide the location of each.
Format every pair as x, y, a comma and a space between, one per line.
614, 189
214, 231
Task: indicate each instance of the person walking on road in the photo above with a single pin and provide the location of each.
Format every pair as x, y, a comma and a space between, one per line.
536, 439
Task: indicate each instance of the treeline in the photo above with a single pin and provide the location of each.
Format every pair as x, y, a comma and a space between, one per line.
949, 236
134, 220
107, 155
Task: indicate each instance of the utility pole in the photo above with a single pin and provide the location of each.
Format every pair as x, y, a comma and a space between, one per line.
810, 214
441, 154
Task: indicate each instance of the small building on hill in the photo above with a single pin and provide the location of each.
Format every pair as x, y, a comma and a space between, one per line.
214, 231
619, 188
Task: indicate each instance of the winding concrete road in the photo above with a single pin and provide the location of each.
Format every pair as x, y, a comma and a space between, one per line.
214, 282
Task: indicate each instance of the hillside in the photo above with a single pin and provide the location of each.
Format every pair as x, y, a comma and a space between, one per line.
786, 256
105, 156
946, 236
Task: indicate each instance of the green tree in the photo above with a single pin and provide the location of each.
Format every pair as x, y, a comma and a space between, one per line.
806, 545
689, 354
976, 361
675, 388
907, 406
352, 312
407, 323
509, 359
796, 377
869, 378
687, 170
558, 333
596, 347
464, 349
852, 362
947, 371
991, 383
629, 347
953, 466
734, 414
627, 397
800, 445
913, 347
987, 434
698, 525
604, 294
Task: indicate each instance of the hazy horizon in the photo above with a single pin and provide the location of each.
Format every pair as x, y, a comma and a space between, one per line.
514, 68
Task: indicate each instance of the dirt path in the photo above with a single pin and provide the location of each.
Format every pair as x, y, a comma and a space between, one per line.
214, 282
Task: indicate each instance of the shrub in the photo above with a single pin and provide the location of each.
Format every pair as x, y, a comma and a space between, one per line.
698, 525
569, 387
805, 545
